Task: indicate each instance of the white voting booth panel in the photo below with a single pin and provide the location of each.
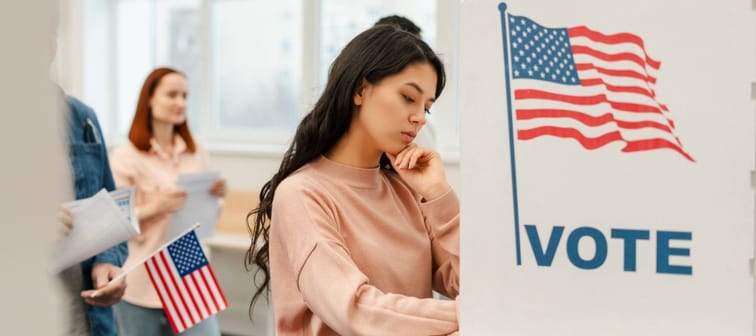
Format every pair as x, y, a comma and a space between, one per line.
606, 151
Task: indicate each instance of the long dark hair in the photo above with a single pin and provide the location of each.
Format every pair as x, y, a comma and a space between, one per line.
373, 55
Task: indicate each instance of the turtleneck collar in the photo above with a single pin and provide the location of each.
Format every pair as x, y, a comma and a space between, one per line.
353, 176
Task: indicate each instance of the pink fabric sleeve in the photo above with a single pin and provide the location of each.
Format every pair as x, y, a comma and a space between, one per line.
442, 221
332, 285
339, 294
119, 165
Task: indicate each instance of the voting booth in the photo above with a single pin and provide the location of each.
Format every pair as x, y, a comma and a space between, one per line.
606, 158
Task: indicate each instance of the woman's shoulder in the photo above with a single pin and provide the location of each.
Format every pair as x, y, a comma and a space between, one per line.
303, 179
125, 149
127, 156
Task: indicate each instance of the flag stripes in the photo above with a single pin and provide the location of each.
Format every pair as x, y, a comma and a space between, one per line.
187, 299
580, 84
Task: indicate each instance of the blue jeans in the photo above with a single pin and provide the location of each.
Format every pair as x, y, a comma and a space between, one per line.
133, 320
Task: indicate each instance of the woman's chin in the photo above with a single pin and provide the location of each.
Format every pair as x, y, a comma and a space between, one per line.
394, 150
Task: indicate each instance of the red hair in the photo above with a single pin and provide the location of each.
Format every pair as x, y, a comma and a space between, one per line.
141, 128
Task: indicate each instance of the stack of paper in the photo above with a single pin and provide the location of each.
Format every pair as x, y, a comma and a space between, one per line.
200, 207
100, 222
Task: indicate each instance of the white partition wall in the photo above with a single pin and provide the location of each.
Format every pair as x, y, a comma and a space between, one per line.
606, 151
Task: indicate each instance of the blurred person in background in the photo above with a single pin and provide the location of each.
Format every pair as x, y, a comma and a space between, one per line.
160, 148
88, 298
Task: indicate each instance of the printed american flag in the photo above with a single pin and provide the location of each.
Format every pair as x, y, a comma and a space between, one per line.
577, 83
185, 283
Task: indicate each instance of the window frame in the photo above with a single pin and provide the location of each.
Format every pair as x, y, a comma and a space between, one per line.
73, 72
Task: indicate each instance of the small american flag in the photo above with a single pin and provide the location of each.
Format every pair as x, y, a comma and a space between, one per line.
578, 83
185, 283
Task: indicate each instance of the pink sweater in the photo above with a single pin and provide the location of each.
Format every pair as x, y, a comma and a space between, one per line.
354, 252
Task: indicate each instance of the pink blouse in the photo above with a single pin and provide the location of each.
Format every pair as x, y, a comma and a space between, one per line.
150, 172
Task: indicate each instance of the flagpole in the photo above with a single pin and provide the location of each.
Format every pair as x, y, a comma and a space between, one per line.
505, 44
134, 266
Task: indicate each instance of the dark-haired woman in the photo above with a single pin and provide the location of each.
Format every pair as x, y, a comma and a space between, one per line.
359, 225
161, 147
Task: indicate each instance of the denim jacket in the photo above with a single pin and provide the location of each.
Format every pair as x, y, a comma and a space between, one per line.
91, 172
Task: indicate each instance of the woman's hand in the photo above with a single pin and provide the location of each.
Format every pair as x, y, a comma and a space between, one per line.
105, 293
170, 201
66, 219
422, 169
218, 189
162, 202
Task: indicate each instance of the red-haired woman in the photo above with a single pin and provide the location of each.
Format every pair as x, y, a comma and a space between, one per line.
161, 147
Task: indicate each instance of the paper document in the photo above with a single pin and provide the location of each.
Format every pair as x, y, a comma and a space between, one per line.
200, 207
100, 222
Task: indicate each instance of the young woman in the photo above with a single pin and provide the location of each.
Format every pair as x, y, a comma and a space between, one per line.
161, 148
359, 225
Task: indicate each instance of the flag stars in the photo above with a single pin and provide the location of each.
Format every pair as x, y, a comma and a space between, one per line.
540, 53
187, 255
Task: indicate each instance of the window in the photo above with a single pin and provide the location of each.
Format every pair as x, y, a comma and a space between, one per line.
341, 20
254, 67
151, 34
256, 48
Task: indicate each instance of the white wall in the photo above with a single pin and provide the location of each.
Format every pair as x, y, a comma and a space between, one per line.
33, 170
